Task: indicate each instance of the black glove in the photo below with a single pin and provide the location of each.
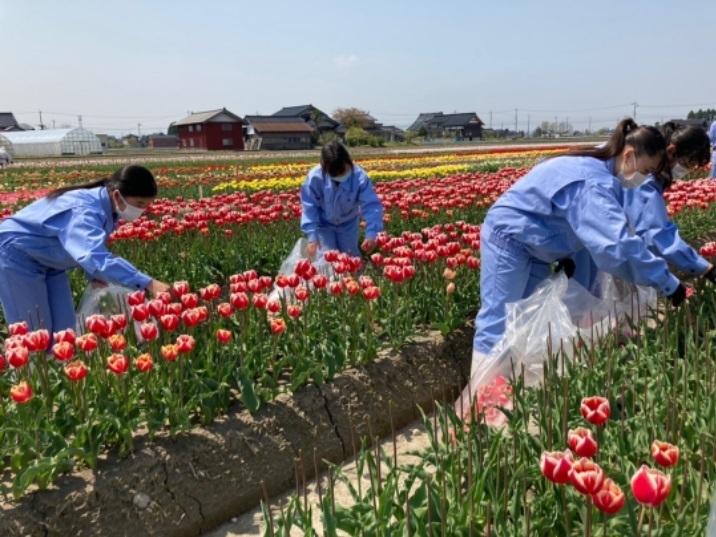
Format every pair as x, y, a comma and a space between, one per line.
711, 275
678, 296
566, 265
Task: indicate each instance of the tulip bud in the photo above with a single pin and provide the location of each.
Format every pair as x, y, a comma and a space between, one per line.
556, 465
664, 454
21, 392
650, 487
610, 498
586, 476
582, 442
595, 410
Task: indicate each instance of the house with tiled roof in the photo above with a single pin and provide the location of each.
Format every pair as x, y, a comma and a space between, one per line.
212, 130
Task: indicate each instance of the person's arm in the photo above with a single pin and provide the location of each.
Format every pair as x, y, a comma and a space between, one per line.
650, 220
371, 208
310, 208
84, 237
600, 223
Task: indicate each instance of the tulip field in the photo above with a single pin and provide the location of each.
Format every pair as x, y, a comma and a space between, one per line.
619, 440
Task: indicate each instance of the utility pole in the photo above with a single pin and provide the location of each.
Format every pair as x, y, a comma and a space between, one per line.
139, 129
79, 119
590, 124
53, 123
515, 121
556, 125
490, 118
42, 126
634, 116
528, 126
566, 126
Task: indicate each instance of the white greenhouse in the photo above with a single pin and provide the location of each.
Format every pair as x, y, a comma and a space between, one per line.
51, 142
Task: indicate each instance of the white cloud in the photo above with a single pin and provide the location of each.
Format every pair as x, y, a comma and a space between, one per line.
345, 61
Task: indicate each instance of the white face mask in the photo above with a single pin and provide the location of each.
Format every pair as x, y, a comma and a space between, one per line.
635, 179
130, 212
679, 172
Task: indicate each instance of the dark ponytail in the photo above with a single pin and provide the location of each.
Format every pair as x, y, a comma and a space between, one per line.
132, 180
645, 140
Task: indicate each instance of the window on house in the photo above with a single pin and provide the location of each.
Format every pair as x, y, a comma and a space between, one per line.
198, 128
183, 143
227, 142
191, 142
226, 126
191, 128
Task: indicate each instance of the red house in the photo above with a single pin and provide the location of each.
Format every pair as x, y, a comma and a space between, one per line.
214, 130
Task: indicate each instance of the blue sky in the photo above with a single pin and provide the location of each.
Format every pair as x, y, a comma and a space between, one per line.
128, 62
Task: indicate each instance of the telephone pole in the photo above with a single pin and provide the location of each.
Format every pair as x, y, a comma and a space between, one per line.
139, 129
79, 119
528, 126
635, 105
490, 118
515, 121
42, 125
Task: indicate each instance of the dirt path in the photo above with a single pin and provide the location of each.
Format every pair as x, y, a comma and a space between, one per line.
412, 437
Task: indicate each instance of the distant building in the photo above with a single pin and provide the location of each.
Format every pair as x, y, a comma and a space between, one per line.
50, 142
162, 141
213, 130
317, 119
466, 125
8, 123
703, 123
278, 132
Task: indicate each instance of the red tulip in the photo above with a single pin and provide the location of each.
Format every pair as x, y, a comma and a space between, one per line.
180, 288
21, 392
87, 342
118, 364
281, 281
664, 454
140, 312
17, 356
76, 370
336, 288
320, 281
191, 317
331, 255
377, 259
63, 351
239, 301
595, 409
352, 286
293, 280
144, 362
148, 331
556, 465
120, 321
185, 343
117, 342
650, 487
224, 336
190, 300
301, 293
37, 341
610, 498
203, 313
371, 293
136, 298
260, 300
170, 352
156, 307
586, 476
18, 329
582, 442
65, 335
250, 275
224, 309
473, 262
169, 322
273, 306
164, 297
294, 311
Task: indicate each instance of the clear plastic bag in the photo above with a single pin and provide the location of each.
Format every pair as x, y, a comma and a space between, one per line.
106, 301
711, 531
558, 315
288, 267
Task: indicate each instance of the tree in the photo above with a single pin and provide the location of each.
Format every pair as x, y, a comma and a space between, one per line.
352, 117
357, 136
423, 131
537, 133
328, 136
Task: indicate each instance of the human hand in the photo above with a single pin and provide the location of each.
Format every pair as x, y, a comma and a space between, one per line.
678, 296
710, 274
312, 249
155, 287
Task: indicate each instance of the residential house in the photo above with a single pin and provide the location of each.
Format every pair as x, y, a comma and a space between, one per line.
213, 130
465, 125
278, 132
130, 140
703, 123
316, 118
8, 123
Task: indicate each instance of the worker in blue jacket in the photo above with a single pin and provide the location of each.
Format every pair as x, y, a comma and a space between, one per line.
332, 197
68, 229
688, 148
712, 136
565, 204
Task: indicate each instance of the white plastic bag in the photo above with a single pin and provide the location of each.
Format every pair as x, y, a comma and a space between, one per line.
711, 531
106, 301
288, 267
559, 313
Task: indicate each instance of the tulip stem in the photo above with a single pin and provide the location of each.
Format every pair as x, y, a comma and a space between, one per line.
641, 520
588, 528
